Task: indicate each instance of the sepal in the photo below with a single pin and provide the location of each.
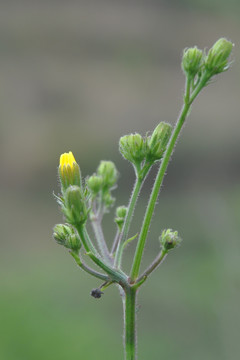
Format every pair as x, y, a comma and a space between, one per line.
157, 143
75, 208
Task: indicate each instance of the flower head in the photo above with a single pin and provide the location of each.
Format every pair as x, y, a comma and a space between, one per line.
69, 171
67, 159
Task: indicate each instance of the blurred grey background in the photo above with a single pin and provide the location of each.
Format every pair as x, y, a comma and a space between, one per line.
77, 75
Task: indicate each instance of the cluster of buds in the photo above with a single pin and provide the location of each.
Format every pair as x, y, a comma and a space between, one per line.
72, 201
74, 204
138, 149
169, 239
196, 62
66, 236
103, 182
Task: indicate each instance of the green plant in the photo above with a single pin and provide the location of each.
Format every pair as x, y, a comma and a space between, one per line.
90, 200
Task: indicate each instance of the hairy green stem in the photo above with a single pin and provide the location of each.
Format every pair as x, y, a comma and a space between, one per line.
115, 275
154, 194
162, 170
88, 269
159, 259
132, 203
82, 231
129, 308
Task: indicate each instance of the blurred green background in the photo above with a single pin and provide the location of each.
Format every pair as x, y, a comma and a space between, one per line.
77, 75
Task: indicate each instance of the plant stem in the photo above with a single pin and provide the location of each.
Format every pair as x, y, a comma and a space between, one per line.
88, 269
159, 259
132, 203
129, 305
159, 179
82, 231
97, 228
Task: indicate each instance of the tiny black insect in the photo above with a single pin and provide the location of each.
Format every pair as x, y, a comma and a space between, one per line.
96, 293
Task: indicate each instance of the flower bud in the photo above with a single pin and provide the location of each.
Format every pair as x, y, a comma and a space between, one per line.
65, 235
217, 57
69, 171
108, 172
192, 61
108, 199
121, 213
169, 239
75, 208
61, 232
94, 183
132, 147
157, 143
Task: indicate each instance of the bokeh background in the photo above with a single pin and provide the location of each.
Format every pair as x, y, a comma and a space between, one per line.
77, 75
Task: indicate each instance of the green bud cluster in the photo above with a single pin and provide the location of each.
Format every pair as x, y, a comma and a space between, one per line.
66, 236
121, 213
195, 61
137, 149
169, 239
103, 182
74, 206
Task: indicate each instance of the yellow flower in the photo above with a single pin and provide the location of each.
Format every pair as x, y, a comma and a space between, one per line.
69, 171
66, 159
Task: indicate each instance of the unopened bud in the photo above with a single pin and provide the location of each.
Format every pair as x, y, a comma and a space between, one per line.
75, 208
192, 61
108, 199
217, 57
121, 213
169, 239
69, 171
94, 183
157, 143
107, 170
133, 148
66, 236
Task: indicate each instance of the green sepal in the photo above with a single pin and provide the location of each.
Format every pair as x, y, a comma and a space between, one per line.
133, 148
75, 208
157, 142
69, 175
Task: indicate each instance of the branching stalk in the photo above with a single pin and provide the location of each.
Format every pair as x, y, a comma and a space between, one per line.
90, 271
159, 259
